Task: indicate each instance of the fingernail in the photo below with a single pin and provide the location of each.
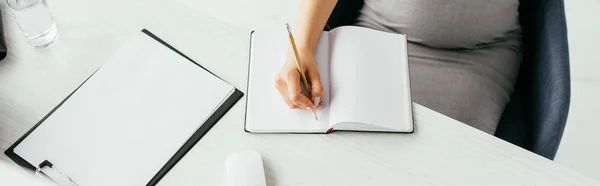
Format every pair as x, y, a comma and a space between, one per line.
309, 109
316, 101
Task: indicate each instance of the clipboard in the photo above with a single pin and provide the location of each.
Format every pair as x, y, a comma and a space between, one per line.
48, 170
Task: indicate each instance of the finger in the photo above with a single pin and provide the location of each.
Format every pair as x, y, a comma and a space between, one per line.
315, 83
281, 87
282, 92
300, 100
294, 91
321, 105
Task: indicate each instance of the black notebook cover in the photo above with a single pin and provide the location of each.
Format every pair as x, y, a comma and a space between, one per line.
202, 130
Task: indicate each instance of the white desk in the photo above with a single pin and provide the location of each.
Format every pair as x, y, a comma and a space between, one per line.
441, 151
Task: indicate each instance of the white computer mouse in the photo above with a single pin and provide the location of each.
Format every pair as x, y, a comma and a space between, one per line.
245, 169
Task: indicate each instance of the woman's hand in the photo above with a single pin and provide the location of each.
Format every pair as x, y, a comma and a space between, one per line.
312, 16
288, 81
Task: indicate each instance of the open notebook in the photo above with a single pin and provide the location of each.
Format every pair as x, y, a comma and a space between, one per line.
364, 72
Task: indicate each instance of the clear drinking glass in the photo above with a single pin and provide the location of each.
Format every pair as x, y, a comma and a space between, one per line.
35, 21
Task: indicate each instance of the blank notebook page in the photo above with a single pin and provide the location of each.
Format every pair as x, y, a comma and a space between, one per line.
128, 119
369, 79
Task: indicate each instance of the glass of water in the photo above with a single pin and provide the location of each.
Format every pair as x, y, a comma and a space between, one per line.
35, 21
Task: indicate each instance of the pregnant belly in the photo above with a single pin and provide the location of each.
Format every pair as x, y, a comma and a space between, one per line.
445, 23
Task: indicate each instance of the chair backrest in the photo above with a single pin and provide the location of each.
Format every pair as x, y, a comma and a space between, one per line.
536, 115
544, 80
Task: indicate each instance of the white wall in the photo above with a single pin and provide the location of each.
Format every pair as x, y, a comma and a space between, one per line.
580, 146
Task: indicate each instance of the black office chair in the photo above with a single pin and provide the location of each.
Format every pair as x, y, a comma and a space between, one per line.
535, 117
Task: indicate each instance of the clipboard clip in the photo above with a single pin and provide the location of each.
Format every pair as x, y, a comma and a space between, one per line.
58, 177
